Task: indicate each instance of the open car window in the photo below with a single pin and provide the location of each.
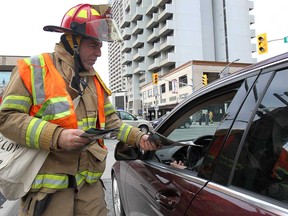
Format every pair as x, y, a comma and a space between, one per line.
205, 118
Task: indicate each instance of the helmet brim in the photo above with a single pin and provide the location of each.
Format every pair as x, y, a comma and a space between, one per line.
100, 30
56, 29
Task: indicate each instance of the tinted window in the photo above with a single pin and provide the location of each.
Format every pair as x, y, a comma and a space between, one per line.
263, 162
219, 139
226, 159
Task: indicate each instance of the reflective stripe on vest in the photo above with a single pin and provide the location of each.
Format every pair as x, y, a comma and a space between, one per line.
51, 101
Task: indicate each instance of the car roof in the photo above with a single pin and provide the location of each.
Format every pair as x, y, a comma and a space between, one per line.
234, 78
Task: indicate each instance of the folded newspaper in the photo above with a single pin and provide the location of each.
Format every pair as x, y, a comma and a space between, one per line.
95, 133
160, 140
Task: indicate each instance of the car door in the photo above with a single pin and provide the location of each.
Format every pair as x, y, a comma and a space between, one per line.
153, 186
247, 178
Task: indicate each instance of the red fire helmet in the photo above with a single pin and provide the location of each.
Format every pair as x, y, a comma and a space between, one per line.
92, 21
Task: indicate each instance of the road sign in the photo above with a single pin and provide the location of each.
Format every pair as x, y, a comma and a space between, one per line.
285, 39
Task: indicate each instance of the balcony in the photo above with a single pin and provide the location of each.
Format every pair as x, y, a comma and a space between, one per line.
153, 22
167, 44
139, 41
152, 8
126, 33
127, 72
250, 5
253, 48
167, 28
154, 36
251, 19
141, 53
161, 2
141, 67
126, 46
168, 60
126, 21
155, 50
138, 28
127, 58
252, 33
155, 65
168, 11
140, 11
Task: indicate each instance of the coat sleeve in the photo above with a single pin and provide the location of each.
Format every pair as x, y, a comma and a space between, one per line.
127, 133
15, 118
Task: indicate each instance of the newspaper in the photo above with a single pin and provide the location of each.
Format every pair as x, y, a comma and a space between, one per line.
160, 140
95, 133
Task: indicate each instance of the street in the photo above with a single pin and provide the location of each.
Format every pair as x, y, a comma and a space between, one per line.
10, 208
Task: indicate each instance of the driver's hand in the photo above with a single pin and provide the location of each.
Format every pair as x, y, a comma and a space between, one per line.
179, 165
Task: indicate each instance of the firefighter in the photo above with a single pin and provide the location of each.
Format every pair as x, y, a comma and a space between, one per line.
51, 100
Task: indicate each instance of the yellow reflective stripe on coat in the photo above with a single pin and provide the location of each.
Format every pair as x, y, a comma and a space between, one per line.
89, 177
20, 103
51, 181
33, 132
109, 109
36, 65
124, 132
61, 181
58, 104
87, 123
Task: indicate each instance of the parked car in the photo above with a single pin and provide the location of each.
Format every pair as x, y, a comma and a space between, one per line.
144, 125
185, 124
236, 166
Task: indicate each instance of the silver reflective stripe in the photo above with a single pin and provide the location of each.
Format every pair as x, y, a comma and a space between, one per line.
124, 131
58, 110
53, 181
33, 132
87, 123
21, 103
108, 109
37, 80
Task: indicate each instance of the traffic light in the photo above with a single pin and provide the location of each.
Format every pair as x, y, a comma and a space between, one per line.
155, 78
204, 79
262, 43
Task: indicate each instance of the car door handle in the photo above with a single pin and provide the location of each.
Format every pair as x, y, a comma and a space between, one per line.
168, 198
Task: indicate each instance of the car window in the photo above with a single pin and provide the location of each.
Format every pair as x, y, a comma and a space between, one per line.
126, 116
262, 166
205, 118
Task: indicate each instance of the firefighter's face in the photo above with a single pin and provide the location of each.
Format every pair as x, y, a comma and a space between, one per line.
89, 51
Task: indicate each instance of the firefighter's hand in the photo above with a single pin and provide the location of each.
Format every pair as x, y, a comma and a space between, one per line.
146, 145
69, 139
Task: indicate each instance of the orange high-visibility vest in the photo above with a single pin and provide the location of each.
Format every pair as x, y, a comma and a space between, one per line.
48, 90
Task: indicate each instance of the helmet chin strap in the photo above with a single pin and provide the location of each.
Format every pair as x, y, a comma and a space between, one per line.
78, 66
77, 83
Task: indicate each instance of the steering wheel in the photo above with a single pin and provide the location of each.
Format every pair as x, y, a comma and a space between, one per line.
195, 153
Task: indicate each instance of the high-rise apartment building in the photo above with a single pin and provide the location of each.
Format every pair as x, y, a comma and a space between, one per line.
160, 35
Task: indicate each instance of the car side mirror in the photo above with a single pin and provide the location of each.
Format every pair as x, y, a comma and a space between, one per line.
125, 152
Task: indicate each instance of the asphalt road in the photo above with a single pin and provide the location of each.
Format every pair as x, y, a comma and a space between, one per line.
10, 208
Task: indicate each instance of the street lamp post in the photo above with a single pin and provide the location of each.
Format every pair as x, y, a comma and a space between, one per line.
222, 74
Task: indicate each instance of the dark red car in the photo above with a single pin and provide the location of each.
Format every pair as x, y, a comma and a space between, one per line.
237, 164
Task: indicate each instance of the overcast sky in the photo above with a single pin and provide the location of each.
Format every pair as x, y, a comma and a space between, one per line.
22, 23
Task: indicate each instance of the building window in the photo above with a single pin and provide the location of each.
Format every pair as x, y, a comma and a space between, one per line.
150, 93
170, 86
163, 88
183, 80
